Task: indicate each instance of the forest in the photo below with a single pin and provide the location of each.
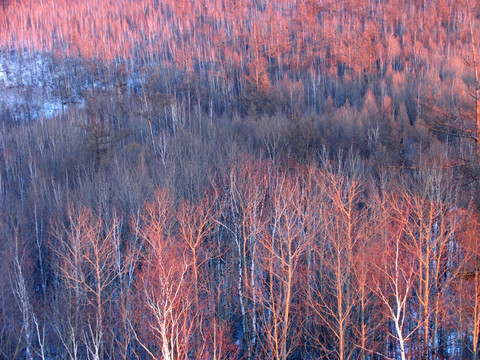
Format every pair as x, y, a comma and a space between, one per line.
240, 179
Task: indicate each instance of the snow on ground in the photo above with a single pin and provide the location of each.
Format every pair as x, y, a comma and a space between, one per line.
35, 85
29, 86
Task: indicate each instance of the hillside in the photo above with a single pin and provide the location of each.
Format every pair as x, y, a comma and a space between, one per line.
213, 179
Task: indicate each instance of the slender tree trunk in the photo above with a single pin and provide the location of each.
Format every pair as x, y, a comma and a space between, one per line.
254, 297
476, 318
363, 324
20, 291
426, 307
341, 330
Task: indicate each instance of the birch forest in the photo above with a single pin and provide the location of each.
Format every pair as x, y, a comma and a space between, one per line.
240, 179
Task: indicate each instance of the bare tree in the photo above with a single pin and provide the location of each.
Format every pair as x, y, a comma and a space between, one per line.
395, 277
167, 286
281, 259
344, 227
22, 297
87, 266
195, 226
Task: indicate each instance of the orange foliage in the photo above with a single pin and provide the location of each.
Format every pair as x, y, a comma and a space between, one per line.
292, 33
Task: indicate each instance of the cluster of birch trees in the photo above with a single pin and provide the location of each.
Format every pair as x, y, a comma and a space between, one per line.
240, 179
269, 261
